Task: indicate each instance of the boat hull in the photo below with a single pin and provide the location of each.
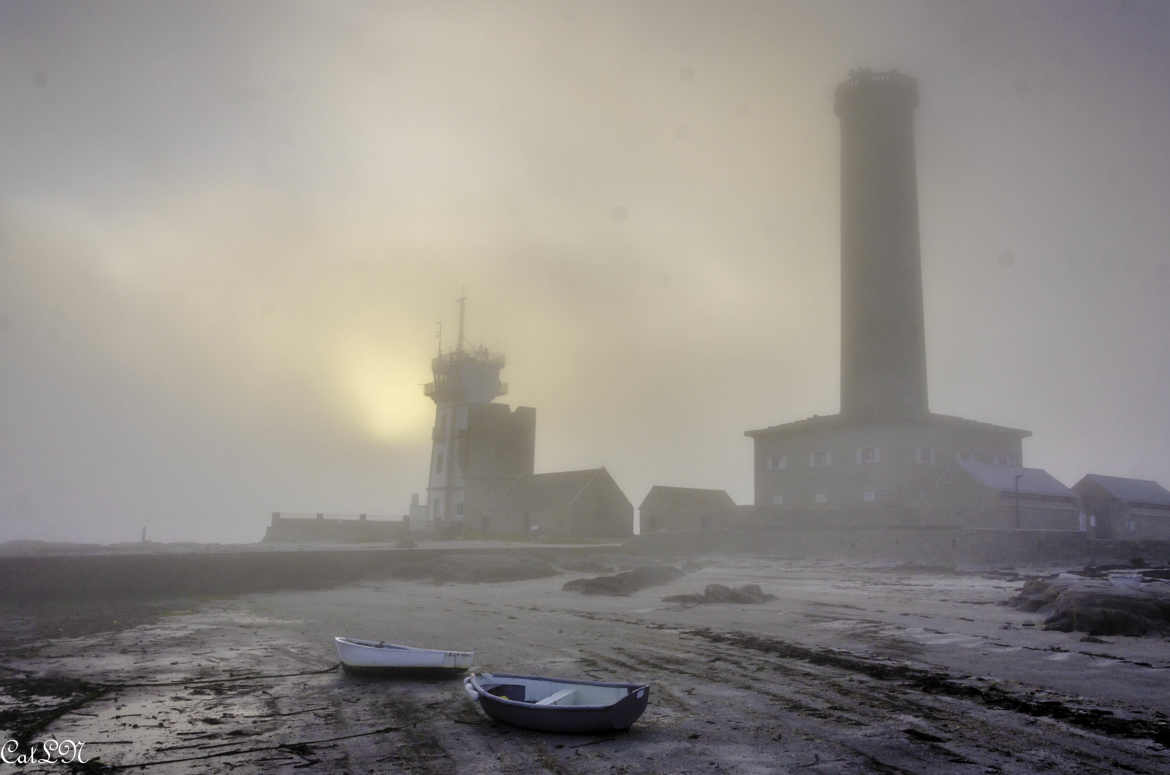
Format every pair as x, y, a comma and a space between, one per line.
365, 656
569, 719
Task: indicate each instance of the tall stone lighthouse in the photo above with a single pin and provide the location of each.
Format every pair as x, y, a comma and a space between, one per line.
883, 342
885, 458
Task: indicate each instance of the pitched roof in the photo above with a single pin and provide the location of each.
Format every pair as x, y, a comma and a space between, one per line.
963, 422
1033, 481
1130, 490
816, 422
688, 498
539, 492
824, 421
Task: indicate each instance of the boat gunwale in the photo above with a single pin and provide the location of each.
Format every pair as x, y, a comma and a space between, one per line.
369, 644
484, 693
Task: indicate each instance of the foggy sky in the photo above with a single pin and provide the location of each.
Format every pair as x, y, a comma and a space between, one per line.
227, 231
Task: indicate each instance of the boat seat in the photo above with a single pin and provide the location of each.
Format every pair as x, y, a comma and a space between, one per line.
556, 697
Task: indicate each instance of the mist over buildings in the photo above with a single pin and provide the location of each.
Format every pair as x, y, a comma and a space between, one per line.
227, 231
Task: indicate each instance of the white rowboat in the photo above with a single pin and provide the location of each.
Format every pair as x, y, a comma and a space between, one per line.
357, 654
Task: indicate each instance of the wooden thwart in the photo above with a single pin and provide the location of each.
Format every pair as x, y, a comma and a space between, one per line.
555, 698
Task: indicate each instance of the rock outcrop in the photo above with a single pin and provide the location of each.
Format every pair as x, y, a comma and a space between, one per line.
625, 583
718, 593
1107, 604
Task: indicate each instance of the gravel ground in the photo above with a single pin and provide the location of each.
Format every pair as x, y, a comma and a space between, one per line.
849, 669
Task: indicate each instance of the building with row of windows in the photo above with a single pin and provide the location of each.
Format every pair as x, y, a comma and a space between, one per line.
886, 458
970, 491
872, 455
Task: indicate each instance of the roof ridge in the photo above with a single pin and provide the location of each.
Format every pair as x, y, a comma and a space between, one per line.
1122, 478
585, 486
571, 471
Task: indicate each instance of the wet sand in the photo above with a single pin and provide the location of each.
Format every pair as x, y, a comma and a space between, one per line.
850, 669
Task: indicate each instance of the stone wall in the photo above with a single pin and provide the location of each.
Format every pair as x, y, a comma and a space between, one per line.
950, 547
323, 529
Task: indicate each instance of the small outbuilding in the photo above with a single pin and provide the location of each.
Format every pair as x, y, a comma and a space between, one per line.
685, 508
563, 504
1004, 497
1119, 507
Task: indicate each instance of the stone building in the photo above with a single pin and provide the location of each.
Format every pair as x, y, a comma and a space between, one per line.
584, 504
1004, 497
478, 447
481, 480
1118, 507
685, 508
883, 457
833, 463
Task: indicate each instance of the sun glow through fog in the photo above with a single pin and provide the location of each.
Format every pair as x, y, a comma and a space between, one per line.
383, 397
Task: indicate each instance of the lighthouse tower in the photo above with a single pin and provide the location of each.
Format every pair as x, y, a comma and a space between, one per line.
883, 341
886, 458
476, 444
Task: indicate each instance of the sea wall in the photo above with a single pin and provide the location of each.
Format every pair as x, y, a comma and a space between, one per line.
938, 546
78, 578
322, 529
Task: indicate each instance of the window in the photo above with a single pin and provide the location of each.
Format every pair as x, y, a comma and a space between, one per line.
459, 509
869, 496
924, 456
819, 459
777, 500
439, 463
868, 455
822, 497
777, 462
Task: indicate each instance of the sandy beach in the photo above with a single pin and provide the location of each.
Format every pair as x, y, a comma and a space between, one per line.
851, 668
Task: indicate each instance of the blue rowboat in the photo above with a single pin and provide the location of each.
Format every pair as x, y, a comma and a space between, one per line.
558, 704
